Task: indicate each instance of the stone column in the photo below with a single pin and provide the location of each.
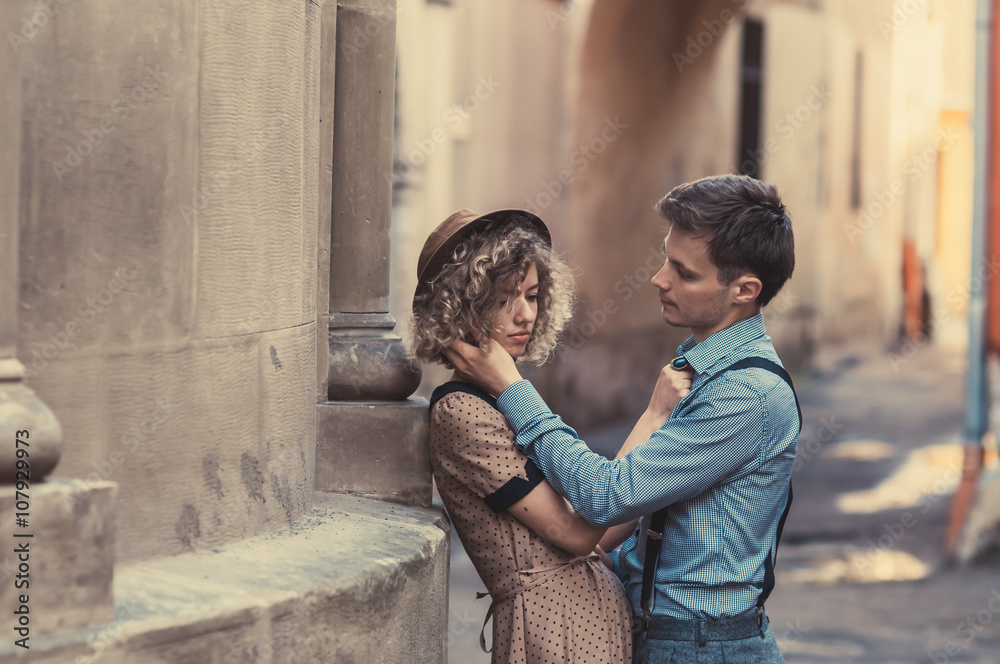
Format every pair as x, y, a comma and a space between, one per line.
371, 437
20, 407
56, 536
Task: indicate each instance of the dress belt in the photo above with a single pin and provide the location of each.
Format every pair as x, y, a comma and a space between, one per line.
546, 573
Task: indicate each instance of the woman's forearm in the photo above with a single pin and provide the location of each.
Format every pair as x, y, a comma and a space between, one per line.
647, 425
548, 514
615, 535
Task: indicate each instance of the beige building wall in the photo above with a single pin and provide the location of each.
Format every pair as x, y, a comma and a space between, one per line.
949, 272
827, 119
610, 104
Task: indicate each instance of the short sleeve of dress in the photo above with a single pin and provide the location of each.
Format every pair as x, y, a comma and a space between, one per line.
473, 443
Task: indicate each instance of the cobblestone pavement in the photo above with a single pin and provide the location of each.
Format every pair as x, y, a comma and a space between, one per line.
860, 575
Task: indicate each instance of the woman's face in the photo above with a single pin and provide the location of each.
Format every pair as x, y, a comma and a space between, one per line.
513, 324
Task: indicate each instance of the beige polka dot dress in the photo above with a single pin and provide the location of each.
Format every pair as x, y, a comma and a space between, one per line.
546, 607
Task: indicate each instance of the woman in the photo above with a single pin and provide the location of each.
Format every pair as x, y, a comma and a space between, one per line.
483, 277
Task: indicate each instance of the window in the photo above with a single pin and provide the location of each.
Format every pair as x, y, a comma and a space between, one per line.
859, 70
750, 155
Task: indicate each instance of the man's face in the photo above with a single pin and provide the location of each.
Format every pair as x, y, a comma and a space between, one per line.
690, 292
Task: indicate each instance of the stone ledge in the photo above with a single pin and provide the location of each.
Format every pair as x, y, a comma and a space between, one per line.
351, 580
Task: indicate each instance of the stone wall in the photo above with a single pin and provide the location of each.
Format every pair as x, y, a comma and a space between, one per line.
169, 259
171, 166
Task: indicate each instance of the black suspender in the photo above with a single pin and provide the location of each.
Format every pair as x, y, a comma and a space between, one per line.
654, 534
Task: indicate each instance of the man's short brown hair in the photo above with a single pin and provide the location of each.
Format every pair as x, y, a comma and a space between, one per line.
745, 224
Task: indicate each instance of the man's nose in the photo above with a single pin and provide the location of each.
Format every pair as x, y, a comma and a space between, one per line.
660, 279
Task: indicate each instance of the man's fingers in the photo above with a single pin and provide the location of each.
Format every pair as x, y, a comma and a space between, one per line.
456, 358
466, 350
459, 347
460, 351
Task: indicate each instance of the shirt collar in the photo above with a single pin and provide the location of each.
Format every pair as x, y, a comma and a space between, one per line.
705, 355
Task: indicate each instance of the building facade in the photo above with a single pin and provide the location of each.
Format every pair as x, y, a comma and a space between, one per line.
587, 112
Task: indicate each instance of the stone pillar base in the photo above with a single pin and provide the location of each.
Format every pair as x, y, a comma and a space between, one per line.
67, 570
375, 449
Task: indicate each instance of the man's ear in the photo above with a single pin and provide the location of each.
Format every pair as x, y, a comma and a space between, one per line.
746, 289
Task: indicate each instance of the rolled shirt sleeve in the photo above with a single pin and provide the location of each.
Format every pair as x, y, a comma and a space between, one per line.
718, 437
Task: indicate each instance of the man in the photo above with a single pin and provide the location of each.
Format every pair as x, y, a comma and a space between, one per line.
713, 483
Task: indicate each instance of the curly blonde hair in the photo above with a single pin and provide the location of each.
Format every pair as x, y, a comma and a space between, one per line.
482, 276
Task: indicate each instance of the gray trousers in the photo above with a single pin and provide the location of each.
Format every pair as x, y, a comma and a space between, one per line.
751, 650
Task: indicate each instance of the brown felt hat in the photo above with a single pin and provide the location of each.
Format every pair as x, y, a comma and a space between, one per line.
450, 233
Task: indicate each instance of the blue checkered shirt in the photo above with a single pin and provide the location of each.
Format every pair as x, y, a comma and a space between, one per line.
722, 463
